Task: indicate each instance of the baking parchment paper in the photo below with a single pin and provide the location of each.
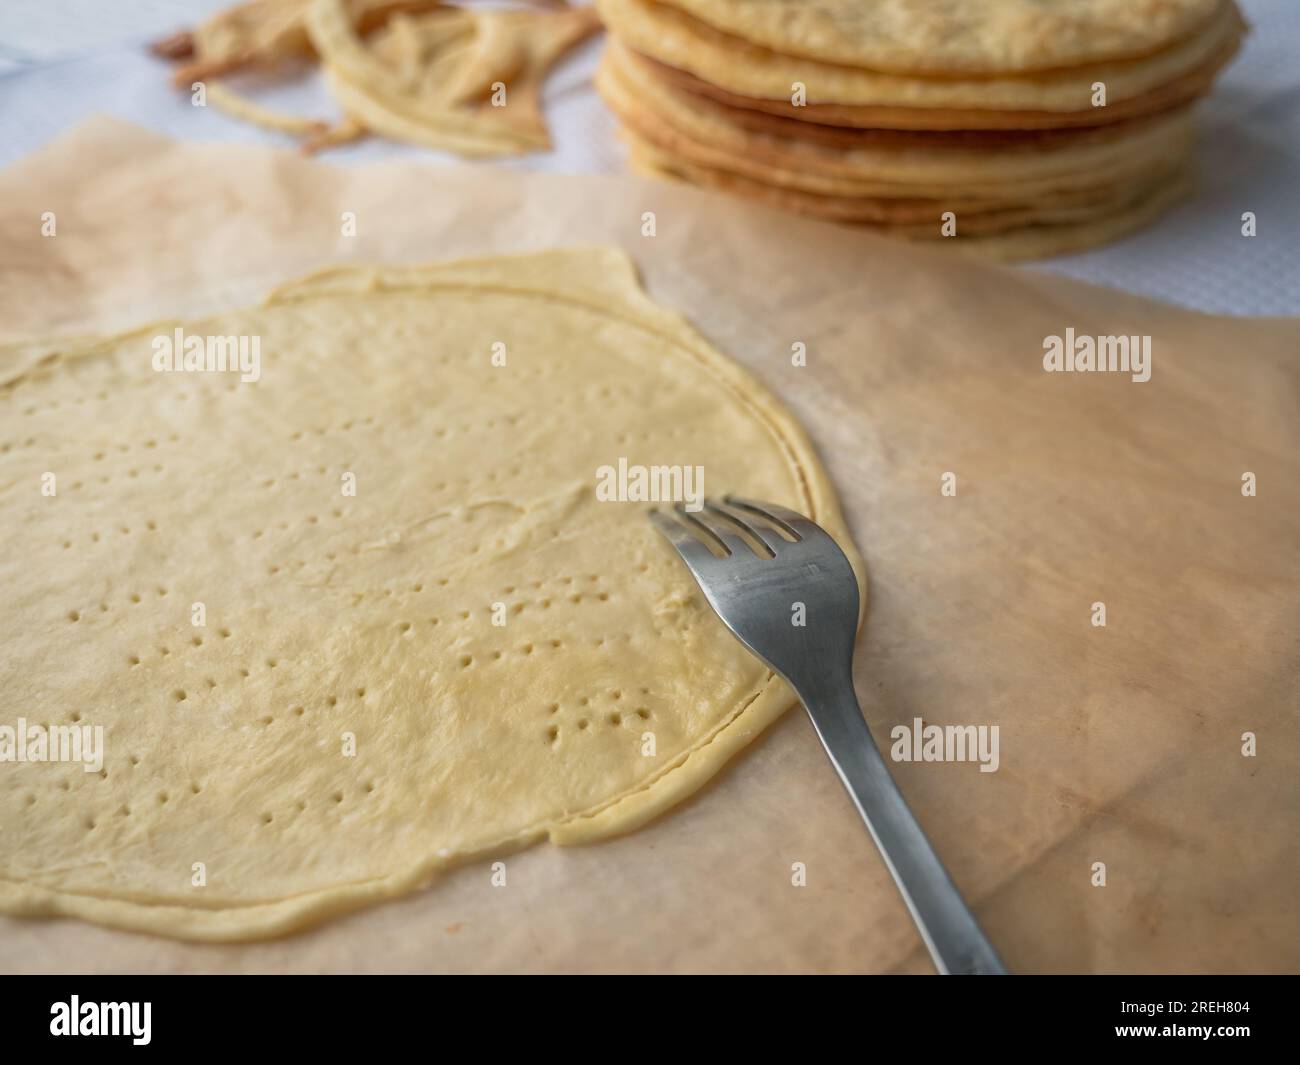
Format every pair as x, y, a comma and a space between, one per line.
1120, 744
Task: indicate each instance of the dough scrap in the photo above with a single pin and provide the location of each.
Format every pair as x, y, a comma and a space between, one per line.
370, 616
430, 80
265, 33
449, 78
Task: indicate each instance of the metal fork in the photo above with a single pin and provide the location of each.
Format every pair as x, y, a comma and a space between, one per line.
766, 561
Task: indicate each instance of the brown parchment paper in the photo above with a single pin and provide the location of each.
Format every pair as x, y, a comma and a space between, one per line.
1119, 745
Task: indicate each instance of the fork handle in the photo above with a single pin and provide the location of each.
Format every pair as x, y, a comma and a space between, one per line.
947, 926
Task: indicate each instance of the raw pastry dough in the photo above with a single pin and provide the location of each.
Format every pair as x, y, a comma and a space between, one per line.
370, 616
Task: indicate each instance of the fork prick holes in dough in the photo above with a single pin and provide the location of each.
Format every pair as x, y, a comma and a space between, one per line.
327, 624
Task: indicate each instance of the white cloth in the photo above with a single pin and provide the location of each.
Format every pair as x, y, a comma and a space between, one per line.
61, 61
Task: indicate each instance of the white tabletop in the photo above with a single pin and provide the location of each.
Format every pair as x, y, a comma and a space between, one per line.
63, 60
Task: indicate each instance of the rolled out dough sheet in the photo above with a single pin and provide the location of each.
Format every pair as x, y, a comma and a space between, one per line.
348, 609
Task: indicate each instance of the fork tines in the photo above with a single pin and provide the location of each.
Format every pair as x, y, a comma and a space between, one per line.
713, 532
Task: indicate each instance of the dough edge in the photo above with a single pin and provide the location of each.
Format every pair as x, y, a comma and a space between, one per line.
568, 273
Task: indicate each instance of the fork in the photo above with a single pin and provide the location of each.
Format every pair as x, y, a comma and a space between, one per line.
761, 564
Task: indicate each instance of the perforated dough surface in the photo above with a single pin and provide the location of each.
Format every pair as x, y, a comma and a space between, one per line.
369, 615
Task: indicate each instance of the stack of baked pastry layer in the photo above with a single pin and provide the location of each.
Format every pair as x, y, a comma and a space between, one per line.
1017, 128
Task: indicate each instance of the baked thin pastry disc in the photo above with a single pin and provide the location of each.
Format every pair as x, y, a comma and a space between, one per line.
417, 460
947, 37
